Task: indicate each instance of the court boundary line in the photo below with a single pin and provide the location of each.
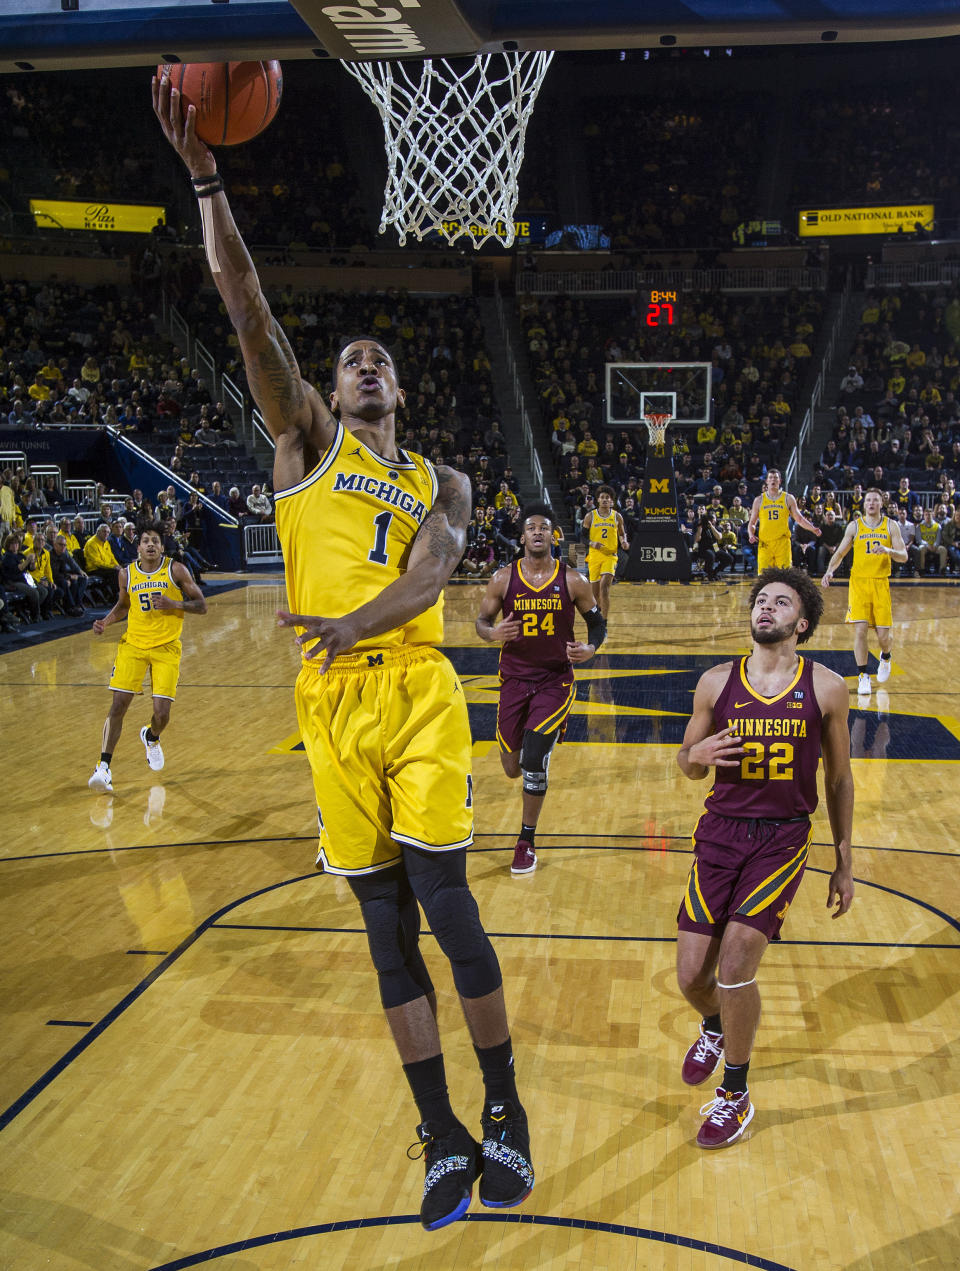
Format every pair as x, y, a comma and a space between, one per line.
45, 1079
563, 935
484, 834
526, 1220
101, 1025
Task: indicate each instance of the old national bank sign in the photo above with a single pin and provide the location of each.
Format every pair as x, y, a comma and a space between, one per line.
888, 219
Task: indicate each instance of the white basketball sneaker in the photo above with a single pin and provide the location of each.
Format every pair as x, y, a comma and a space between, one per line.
883, 671
102, 780
154, 753
863, 686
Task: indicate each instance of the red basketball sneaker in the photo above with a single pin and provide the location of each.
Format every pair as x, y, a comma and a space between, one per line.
524, 858
728, 1115
701, 1060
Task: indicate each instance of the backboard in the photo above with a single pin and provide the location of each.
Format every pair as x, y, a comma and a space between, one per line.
72, 34
636, 389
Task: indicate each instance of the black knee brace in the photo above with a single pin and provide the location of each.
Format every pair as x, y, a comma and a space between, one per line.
392, 919
439, 881
535, 760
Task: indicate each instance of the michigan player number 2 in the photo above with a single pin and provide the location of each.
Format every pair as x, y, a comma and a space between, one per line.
378, 553
762, 763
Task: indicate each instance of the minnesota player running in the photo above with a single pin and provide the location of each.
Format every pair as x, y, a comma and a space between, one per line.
876, 541
370, 535
537, 597
762, 722
155, 593
606, 534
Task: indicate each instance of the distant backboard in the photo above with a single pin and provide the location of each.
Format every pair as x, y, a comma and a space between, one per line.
679, 389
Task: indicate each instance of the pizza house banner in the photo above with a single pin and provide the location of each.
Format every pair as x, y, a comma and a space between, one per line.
124, 218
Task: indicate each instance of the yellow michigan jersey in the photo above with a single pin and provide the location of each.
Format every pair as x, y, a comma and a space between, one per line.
774, 518
868, 560
603, 533
151, 642
148, 627
346, 531
386, 728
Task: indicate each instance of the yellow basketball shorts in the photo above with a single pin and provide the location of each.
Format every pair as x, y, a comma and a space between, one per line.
600, 563
388, 739
868, 600
132, 664
775, 553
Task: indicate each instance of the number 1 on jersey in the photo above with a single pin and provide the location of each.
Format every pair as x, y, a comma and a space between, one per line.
379, 553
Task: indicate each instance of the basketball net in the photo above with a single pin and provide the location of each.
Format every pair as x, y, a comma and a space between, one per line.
454, 141
657, 431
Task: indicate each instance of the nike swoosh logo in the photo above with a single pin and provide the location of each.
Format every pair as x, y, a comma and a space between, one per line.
738, 705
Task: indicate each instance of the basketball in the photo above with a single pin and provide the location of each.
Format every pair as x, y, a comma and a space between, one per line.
235, 101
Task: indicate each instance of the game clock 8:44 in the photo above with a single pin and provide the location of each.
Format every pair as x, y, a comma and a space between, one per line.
661, 308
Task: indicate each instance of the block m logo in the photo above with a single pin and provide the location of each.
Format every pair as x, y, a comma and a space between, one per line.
659, 486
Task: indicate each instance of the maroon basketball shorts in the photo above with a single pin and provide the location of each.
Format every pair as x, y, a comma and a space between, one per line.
743, 871
541, 705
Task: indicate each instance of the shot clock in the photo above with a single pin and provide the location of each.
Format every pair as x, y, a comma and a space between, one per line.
661, 309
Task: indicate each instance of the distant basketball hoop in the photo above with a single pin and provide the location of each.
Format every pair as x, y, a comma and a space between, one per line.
657, 426
454, 139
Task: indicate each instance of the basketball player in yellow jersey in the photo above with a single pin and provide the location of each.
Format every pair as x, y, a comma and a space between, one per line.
876, 541
155, 593
771, 513
370, 536
605, 535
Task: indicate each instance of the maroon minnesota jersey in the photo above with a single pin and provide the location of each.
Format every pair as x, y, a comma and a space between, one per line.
777, 776
546, 614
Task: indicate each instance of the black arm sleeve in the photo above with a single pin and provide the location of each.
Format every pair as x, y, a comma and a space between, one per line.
596, 627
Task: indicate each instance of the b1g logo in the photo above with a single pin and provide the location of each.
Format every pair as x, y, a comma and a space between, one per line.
661, 555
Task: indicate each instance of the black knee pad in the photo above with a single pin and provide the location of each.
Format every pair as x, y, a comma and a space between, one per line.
392, 920
439, 881
535, 760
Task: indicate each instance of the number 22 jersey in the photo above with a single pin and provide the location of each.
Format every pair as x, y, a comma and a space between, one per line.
346, 531
777, 775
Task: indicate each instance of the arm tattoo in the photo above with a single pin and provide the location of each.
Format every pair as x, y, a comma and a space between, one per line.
453, 496
274, 377
440, 542
444, 529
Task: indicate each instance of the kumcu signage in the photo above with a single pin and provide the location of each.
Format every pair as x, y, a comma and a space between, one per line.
657, 548
125, 218
886, 219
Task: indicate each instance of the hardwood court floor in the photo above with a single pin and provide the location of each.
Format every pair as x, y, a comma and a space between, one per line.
195, 1068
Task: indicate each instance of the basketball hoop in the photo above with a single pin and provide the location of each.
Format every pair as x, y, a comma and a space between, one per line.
454, 141
657, 430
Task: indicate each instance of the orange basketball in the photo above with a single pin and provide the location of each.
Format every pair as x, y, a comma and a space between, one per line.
235, 100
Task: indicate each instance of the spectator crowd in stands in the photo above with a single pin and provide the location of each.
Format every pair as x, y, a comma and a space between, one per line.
54, 563
897, 425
